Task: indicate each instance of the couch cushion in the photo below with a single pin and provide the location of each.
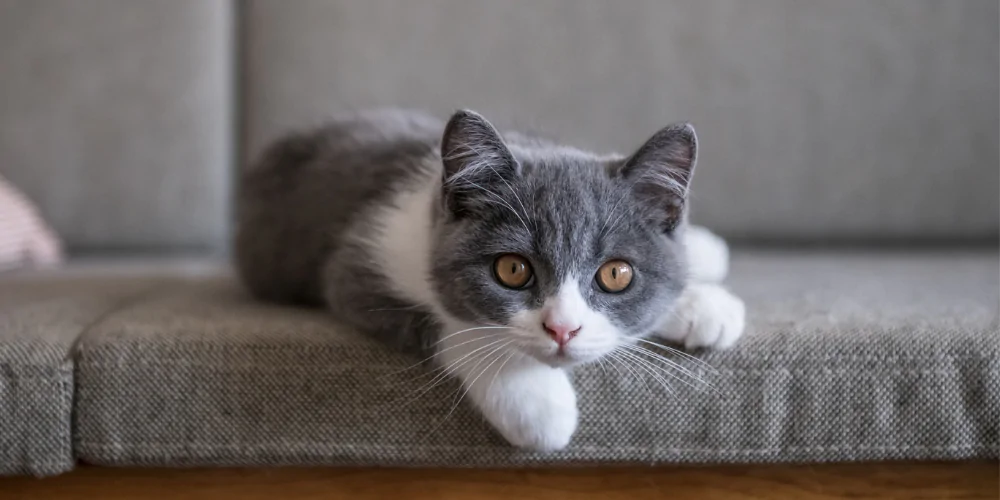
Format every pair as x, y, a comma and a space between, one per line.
41, 318
847, 357
817, 120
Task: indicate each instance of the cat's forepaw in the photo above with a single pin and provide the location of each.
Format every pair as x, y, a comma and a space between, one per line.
706, 316
544, 425
535, 411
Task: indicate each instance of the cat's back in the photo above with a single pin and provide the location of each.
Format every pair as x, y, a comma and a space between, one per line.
344, 142
298, 197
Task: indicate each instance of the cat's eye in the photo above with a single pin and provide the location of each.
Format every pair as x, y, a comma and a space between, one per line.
512, 271
614, 276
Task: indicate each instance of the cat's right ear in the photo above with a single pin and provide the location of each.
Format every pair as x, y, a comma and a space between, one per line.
475, 158
659, 173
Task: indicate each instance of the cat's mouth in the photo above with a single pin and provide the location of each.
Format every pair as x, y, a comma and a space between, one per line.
566, 356
565, 330
561, 360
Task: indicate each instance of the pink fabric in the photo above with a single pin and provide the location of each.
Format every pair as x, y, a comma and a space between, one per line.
25, 239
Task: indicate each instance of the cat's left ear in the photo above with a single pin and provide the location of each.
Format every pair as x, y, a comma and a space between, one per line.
476, 162
659, 173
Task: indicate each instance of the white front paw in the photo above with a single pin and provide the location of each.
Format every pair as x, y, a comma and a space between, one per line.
707, 316
534, 409
547, 426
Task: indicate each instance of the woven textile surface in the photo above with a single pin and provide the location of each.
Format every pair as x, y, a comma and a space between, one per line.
848, 357
42, 317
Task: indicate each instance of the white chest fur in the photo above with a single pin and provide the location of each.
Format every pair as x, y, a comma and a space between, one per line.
402, 243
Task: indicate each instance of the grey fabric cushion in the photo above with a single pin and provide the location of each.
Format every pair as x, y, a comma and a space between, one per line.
848, 357
116, 118
41, 318
817, 120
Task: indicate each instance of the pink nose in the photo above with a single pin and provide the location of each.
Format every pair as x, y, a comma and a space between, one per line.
561, 332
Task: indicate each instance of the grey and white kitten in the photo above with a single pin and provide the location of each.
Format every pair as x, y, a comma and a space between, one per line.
509, 258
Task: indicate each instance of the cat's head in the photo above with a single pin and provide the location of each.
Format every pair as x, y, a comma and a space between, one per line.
574, 252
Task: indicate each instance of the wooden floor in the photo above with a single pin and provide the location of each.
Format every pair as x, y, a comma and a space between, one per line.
874, 481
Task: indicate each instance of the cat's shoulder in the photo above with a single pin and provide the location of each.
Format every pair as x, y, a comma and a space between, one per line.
350, 139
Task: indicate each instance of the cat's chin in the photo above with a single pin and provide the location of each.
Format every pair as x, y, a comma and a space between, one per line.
564, 360
560, 361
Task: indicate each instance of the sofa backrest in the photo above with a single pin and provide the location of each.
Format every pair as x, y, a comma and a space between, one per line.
115, 117
873, 121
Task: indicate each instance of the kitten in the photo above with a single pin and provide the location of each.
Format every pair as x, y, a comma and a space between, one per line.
507, 257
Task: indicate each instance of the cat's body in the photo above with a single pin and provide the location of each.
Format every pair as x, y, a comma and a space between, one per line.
509, 259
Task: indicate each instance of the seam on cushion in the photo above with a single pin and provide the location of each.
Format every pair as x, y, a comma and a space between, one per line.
64, 433
60, 377
736, 451
68, 388
119, 306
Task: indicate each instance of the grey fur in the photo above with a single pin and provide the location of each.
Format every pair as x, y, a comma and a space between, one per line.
304, 204
297, 202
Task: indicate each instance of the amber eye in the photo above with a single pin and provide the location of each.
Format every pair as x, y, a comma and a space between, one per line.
614, 276
512, 271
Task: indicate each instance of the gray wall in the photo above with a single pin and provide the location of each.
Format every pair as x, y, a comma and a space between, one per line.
846, 119
819, 120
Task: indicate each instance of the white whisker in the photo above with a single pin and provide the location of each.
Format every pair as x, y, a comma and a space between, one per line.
481, 359
450, 335
614, 207
501, 200
469, 386
437, 352
450, 370
518, 198
614, 225
660, 176
613, 366
604, 369
679, 353
510, 355
621, 198
648, 368
670, 364
483, 159
615, 355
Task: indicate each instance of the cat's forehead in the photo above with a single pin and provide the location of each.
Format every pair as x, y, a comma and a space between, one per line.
562, 205
572, 205
564, 172
552, 158
568, 179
